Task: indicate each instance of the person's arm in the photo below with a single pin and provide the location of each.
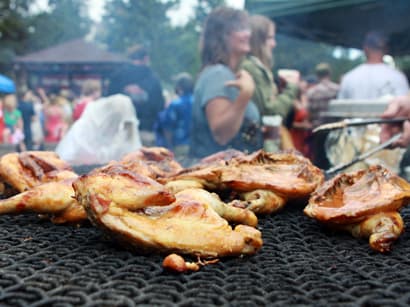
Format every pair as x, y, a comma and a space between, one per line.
398, 107
224, 116
43, 96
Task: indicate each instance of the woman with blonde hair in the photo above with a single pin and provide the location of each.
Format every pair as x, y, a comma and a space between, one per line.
259, 64
223, 114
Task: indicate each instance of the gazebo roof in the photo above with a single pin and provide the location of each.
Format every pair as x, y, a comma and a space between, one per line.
77, 51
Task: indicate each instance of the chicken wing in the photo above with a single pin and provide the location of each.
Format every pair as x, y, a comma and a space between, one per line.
363, 202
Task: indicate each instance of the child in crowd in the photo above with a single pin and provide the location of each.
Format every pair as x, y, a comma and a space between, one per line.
13, 134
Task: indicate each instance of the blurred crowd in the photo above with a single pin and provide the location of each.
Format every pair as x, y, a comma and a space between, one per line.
238, 100
30, 118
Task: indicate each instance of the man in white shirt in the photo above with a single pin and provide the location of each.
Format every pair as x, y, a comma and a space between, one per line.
373, 79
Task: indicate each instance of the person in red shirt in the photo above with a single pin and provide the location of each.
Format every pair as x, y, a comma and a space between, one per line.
91, 90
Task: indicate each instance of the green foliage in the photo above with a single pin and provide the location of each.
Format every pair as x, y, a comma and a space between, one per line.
403, 63
127, 23
172, 49
66, 20
23, 31
13, 30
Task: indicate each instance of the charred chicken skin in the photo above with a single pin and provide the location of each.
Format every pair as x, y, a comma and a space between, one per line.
263, 182
23, 171
159, 161
143, 213
364, 203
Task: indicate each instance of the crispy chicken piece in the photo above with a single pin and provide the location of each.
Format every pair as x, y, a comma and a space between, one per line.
188, 225
42, 175
222, 156
44, 181
56, 199
52, 198
363, 202
382, 229
205, 174
287, 174
176, 263
25, 170
262, 182
119, 185
259, 201
160, 161
229, 213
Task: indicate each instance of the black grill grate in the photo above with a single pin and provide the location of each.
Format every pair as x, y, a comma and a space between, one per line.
301, 263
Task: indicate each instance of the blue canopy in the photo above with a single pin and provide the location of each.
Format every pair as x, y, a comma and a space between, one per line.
6, 85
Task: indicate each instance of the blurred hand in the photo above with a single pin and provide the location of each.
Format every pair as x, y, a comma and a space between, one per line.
398, 107
244, 82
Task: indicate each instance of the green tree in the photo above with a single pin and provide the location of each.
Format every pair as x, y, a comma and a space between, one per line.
65, 20
13, 30
23, 31
172, 48
127, 23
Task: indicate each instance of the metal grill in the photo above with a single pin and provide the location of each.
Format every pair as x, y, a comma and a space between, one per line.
301, 263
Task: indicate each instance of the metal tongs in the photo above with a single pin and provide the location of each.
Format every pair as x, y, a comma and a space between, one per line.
363, 156
359, 122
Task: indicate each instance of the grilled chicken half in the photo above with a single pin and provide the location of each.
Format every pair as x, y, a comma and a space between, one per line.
365, 203
262, 182
142, 213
